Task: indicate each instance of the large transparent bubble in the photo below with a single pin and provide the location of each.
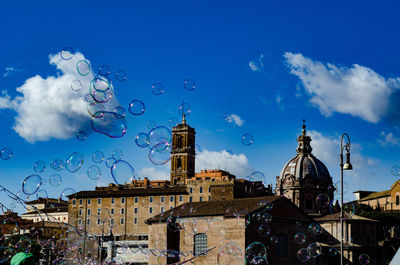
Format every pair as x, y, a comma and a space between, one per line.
110, 124
122, 172
31, 184
74, 162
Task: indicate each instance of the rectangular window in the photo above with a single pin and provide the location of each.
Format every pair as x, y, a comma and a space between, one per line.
209, 198
171, 198
171, 207
73, 202
99, 201
89, 212
112, 210
151, 199
135, 210
135, 221
162, 209
201, 198
80, 212
80, 201
162, 199
98, 211
79, 221
191, 190
122, 221
209, 189
151, 210
112, 221
122, 200
88, 221
122, 211
136, 199
200, 244
89, 201
112, 200
190, 199
181, 198
201, 189
98, 221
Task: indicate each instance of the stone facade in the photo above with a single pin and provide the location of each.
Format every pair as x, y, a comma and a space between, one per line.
388, 200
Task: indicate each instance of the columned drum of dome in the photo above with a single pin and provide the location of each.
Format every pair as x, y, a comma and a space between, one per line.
305, 177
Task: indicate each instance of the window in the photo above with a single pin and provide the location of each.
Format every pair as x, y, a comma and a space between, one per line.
89, 201
99, 201
309, 204
79, 221
397, 200
171, 198
98, 221
162, 199
80, 212
209, 189
122, 221
122, 200
201, 198
281, 248
136, 199
122, 211
162, 209
200, 244
88, 221
135, 221
135, 210
112, 200
73, 202
171, 207
209, 198
181, 198
151, 210
151, 199
112, 221
190, 199
178, 163
80, 201
201, 189
191, 190
98, 211
112, 210
88, 212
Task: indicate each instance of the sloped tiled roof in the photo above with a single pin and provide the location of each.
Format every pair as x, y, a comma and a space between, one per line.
282, 208
134, 191
376, 195
48, 200
48, 210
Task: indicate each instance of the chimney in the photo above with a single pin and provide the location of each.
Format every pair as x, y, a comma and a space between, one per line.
146, 182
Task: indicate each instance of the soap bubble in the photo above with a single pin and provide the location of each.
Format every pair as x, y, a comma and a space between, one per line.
96, 109
200, 225
274, 240
117, 154
39, 166
66, 192
300, 238
142, 140
83, 67
101, 96
259, 260
121, 75
189, 84
364, 259
122, 172
264, 230
76, 85
67, 53
395, 171
151, 125
173, 122
104, 70
31, 184
228, 154
94, 172
6, 153
41, 194
74, 162
136, 107
98, 157
314, 249
348, 207
24, 244
57, 164
110, 161
6, 253
100, 83
303, 255
257, 176
247, 139
315, 229
230, 254
184, 108
157, 89
81, 136
338, 186
109, 124
332, 251
55, 180
323, 200
158, 135
160, 153
255, 249
120, 111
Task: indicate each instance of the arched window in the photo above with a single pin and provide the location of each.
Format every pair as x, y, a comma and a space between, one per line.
281, 247
200, 244
397, 200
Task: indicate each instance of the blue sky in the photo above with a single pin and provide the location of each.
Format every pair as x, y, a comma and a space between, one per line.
271, 64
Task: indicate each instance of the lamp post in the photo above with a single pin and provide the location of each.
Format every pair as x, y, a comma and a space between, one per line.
346, 166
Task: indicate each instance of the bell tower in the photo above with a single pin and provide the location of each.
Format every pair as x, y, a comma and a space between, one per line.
183, 152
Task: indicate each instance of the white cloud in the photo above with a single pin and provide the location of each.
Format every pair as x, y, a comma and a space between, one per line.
389, 139
48, 107
237, 165
257, 65
154, 174
233, 118
9, 70
358, 90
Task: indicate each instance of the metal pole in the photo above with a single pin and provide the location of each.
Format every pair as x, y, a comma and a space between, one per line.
341, 209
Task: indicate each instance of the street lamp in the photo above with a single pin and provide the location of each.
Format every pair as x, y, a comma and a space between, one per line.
346, 166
